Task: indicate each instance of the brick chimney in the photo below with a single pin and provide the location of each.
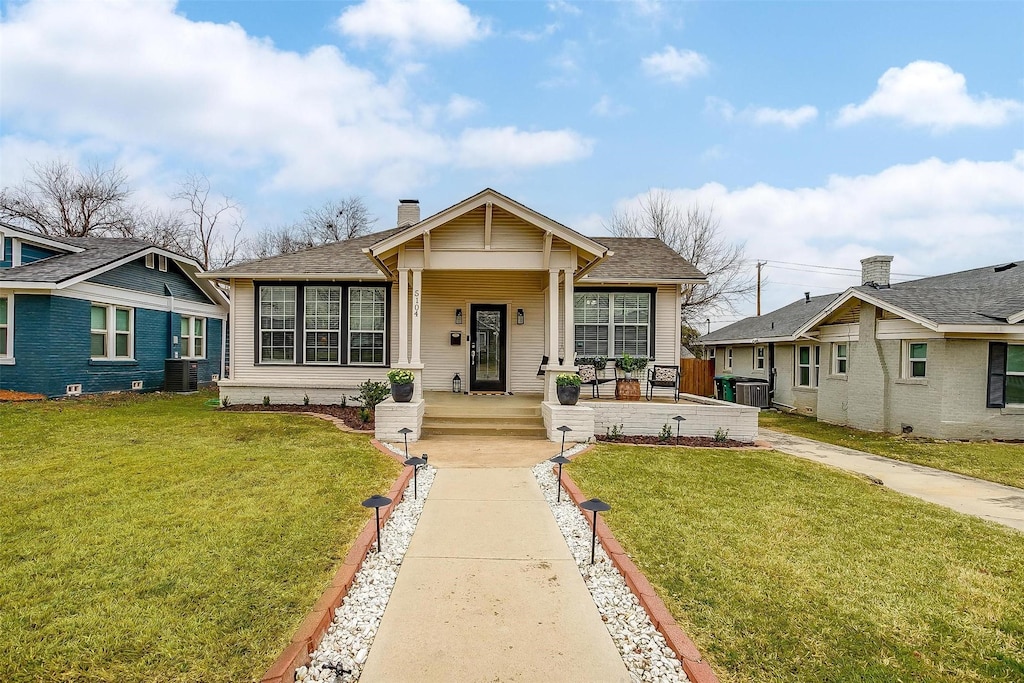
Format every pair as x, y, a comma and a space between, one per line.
408, 212
874, 271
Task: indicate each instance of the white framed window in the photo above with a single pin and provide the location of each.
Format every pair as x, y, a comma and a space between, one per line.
150, 260
728, 358
111, 332
915, 360
162, 260
612, 323
366, 326
193, 337
808, 365
759, 357
840, 358
1014, 394
322, 324
6, 325
277, 324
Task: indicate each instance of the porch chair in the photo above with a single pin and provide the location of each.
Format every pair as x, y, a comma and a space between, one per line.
588, 375
663, 377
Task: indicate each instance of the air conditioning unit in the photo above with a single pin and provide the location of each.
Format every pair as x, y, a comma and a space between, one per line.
752, 394
180, 375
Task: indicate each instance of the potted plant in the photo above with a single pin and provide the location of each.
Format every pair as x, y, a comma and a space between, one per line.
567, 386
402, 384
627, 364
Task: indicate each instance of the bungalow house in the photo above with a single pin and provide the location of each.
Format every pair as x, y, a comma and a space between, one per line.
93, 314
940, 357
487, 297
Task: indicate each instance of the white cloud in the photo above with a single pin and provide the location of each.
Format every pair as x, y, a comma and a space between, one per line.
930, 95
460, 107
676, 66
933, 216
115, 76
410, 23
563, 7
762, 116
507, 148
608, 108
534, 36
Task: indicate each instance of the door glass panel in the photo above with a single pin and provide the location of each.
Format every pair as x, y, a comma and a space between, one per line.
488, 346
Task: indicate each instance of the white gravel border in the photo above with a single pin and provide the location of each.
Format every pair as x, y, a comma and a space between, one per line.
344, 648
646, 654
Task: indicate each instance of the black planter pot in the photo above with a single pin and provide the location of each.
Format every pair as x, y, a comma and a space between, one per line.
567, 395
402, 393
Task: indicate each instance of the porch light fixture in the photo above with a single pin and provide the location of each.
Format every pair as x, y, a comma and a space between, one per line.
377, 502
405, 432
520, 317
679, 421
594, 505
456, 384
415, 464
458, 316
560, 460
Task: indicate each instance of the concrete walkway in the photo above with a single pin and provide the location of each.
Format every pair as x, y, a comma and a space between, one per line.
994, 502
488, 590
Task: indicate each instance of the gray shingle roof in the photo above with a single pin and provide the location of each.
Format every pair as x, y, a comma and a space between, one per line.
781, 323
645, 258
99, 251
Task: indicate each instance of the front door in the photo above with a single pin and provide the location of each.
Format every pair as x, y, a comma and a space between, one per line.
487, 347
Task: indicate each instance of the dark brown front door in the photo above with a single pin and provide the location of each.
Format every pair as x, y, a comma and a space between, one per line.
487, 347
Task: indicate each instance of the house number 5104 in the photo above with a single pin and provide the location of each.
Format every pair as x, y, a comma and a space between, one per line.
415, 303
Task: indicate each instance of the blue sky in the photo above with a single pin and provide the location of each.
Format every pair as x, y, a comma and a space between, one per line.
822, 132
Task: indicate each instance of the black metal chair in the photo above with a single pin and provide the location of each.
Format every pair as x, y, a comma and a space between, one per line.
588, 375
663, 377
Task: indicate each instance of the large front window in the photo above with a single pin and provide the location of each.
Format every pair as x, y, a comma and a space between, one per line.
277, 324
612, 323
366, 325
111, 331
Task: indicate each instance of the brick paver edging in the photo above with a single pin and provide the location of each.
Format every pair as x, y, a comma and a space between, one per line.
697, 670
307, 638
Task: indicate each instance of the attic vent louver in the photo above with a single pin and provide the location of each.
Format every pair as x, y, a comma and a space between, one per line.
1000, 269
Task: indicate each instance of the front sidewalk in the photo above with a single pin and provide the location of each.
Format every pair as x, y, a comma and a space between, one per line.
977, 497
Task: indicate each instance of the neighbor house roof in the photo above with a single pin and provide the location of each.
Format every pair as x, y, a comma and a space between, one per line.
780, 325
96, 253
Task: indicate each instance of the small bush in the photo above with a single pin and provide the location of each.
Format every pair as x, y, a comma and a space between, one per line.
615, 433
721, 434
568, 379
225, 402
666, 433
305, 399
364, 414
266, 400
371, 393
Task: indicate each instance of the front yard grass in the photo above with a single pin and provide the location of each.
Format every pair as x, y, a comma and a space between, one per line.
153, 538
1002, 463
786, 570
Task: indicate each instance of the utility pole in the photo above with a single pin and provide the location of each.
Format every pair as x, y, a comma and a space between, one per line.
759, 264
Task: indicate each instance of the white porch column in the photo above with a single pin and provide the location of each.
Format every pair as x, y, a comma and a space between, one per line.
569, 345
553, 316
417, 292
403, 316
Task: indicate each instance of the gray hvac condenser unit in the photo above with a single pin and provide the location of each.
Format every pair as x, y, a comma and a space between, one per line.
752, 394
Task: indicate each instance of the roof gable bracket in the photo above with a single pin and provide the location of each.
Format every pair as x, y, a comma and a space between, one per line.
487, 226
426, 249
547, 249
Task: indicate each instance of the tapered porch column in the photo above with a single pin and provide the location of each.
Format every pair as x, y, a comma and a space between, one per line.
417, 310
403, 316
553, 317
569, 344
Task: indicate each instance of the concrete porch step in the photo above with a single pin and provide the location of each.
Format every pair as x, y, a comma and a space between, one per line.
493, 428
484, 420
490, 412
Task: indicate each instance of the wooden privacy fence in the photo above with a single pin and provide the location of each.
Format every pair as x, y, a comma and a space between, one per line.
697, 376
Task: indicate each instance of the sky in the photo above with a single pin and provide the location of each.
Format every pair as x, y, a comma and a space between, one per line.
819, 132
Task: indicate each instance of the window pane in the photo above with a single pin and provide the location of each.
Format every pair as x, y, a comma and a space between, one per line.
184, 326
1014, 357
805, 355
918, 350
99, 318
121, 319
590, 308
917, 368
592, 340
199, 325
1015, 389
98, 345
3, 311
197, 350
805, 376
841, 351
121, 346
3, 341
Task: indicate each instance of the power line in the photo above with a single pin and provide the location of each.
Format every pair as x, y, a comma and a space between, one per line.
852, 270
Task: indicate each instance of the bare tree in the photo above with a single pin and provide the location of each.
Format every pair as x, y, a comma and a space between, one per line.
61, 200
695, 234
337, 220
211, 228
274, 242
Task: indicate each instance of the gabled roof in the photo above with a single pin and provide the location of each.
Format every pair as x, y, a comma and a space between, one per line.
59, 243
642, 259
782, 324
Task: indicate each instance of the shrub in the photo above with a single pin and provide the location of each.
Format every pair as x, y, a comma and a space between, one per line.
666, 433
568, 379
364, 415
225, 402
266, 400
615, 433
721, 434
399, 376
371, 393
628, 363
305, 399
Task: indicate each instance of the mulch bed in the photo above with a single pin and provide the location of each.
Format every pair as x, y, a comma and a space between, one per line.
691, 441
8, 395
349, 414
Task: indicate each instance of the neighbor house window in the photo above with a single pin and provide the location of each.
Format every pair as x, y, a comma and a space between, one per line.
150, 258
1014, 373
162, 263
6, 316
612, 323
193, 337
916, 354
839, 358
323, 324
277, 324
808, 365
728, 358
759, 358
366, 325
111, 332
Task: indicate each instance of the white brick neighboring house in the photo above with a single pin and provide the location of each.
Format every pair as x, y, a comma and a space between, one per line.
940, 357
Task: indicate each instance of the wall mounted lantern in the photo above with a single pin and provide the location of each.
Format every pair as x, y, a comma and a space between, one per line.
520, 317
458, 316
456, 384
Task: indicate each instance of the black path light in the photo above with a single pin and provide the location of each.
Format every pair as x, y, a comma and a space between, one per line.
377, 502
561, 460
679, 421
564, 429
594, 505
415, 463
405, 432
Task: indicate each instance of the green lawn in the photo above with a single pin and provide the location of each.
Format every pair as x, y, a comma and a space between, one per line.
998, 462
785, 570
150, 538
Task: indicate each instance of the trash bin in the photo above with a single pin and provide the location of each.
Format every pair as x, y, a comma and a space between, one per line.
725, 388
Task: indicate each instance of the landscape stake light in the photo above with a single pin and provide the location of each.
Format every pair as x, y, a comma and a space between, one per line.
377, 502
679, 421
564, 429
561, 460
425, 456
405, 432
415, 463
594, 505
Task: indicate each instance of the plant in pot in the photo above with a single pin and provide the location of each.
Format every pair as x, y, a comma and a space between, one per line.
567, 387
627, 364
402, 384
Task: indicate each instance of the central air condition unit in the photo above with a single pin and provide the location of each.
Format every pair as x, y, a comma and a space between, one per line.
180, 375
752, 394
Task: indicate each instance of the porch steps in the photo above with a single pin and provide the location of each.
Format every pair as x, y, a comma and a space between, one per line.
484, 420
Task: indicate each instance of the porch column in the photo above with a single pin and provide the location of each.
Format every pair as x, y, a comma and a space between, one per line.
569, 345
403, 316
553, 316
417, 291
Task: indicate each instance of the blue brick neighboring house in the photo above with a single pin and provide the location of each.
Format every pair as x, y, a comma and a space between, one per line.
93, 314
